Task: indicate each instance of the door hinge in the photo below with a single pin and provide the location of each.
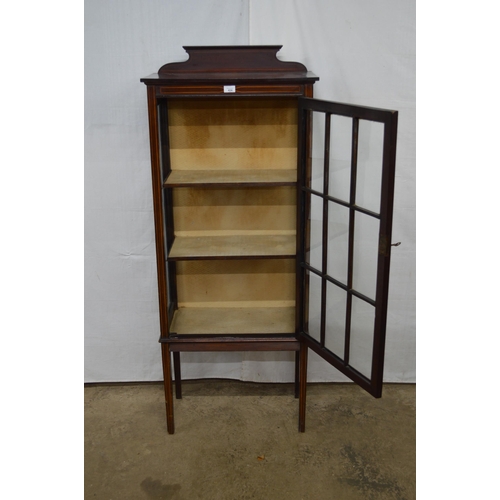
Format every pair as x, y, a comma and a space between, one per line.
383, 247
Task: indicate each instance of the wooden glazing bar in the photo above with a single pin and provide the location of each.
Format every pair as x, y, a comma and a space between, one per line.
344, 203
365, 211
350, 252
326, 183
338, 363
344, 287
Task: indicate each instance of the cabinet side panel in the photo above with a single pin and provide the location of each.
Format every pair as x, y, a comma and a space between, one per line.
157, 181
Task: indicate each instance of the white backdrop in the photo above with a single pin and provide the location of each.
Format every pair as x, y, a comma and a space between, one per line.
363, 52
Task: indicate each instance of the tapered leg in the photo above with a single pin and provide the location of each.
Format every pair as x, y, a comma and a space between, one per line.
303, 386
297, 370
177, 374
167, 384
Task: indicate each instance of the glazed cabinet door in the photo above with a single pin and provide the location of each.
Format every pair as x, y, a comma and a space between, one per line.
345, 204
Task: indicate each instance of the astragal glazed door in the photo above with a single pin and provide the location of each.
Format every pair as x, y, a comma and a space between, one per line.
345, 201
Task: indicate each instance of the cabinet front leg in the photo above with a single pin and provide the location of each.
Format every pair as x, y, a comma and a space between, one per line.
177, 374
167, 384
297, 376
302, 386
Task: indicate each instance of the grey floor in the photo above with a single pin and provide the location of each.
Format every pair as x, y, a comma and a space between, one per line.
236, 440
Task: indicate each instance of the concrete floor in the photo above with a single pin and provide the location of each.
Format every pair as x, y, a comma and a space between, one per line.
236, 440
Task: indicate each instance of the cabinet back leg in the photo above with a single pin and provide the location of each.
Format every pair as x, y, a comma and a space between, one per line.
167, 385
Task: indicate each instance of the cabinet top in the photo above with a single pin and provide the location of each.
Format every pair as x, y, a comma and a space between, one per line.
232, 63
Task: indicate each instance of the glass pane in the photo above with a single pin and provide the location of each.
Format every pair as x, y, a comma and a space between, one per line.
163, 138
318, 151
335, 319
369, 173
361, 344
340, 157
313, 313
338, 241
314, 251
366, 234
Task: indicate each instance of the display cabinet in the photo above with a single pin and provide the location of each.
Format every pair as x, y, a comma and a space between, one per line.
268, 236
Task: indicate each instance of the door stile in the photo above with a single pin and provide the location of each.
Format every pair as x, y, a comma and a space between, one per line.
303, 147
304, 130
383, 265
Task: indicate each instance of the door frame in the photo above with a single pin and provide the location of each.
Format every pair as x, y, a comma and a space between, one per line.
389, 119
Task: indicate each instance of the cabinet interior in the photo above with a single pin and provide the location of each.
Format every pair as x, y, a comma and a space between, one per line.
233, 176
233, 134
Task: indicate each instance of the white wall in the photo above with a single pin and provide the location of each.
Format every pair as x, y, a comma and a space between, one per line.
364, 53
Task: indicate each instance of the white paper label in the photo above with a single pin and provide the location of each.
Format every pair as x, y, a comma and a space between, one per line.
229, 89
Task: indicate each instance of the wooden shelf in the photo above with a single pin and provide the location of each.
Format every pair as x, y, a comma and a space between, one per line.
221, 178
233, 246
233, 320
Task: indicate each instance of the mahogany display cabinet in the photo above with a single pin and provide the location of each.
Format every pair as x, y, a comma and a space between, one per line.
272, 213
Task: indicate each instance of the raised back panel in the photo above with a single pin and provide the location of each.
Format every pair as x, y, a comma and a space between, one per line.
213, 60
